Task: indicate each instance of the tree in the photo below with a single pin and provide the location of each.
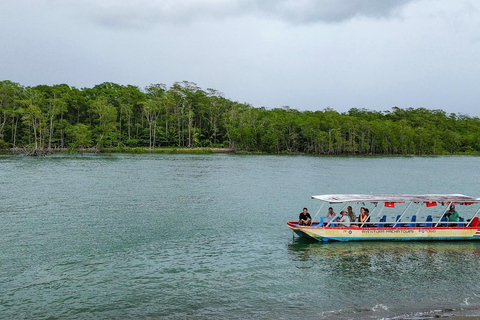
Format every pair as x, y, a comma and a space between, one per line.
186, 116
106, 116
81, 136
55, 107
153, 108
10, 93
33, 117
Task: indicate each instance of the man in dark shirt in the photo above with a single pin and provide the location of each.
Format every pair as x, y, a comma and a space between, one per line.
304, 219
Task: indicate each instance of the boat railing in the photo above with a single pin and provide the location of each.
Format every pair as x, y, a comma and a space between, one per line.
397, 224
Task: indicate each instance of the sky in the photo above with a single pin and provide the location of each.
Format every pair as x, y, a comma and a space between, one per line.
304, 54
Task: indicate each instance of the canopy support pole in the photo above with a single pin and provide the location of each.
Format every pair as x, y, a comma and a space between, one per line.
316, 214
336, 215
381, 224
444, 211
368, 217
476, 213
416, 213
380, 212
400, 218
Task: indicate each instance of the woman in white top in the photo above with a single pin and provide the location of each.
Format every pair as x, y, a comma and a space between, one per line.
330, 214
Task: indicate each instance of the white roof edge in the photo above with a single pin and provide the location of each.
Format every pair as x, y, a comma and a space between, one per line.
337, 198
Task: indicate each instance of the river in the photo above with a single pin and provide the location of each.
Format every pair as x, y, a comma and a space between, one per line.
204, 236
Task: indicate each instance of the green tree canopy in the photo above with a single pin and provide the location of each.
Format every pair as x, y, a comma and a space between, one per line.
184, 115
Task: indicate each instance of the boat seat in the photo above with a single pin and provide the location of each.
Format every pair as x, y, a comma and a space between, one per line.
334, 222
428, 222
381, 222
475, 222
412, 223
397, 221
443, 222
461, 222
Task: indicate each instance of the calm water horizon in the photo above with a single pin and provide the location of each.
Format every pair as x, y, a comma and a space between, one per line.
151, 236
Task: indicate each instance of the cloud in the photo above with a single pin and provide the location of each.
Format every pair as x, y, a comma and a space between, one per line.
331, 11
148, 13
141, 14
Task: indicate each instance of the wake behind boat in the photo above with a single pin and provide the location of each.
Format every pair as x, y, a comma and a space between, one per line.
396, 217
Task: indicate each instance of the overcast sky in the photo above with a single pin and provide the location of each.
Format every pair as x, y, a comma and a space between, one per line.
305, 54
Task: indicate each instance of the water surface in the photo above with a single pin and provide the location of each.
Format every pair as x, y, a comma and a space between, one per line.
201, 236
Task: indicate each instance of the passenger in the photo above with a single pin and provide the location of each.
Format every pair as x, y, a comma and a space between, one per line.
345, 219
330, 214
304, 218
453, 216
351, 214
363, 217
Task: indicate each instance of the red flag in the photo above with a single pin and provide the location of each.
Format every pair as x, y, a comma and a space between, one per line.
431, 204
390, 204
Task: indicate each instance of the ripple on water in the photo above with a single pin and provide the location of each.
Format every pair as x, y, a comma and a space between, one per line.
179, 236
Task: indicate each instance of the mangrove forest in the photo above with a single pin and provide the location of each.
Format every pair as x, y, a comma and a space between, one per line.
111, 116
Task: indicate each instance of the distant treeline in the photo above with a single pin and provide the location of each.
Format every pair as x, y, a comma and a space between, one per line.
110, 115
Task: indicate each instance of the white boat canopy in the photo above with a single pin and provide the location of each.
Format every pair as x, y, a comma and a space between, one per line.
337, 198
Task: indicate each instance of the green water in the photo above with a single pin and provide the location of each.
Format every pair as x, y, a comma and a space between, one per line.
204, 236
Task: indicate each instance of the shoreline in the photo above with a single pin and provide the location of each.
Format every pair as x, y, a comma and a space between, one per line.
173, 150
198, 150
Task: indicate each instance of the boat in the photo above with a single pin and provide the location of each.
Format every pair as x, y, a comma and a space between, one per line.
405, 217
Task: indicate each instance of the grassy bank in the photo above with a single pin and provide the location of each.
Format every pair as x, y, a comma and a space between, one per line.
168, 150
178, 150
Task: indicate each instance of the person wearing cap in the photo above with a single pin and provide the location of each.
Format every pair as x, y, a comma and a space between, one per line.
304, 219
453, 216
345, 219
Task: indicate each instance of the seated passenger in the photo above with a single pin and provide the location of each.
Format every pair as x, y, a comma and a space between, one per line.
304, 218
363, 217
344, 219
453, 216
330, 214
351, 214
